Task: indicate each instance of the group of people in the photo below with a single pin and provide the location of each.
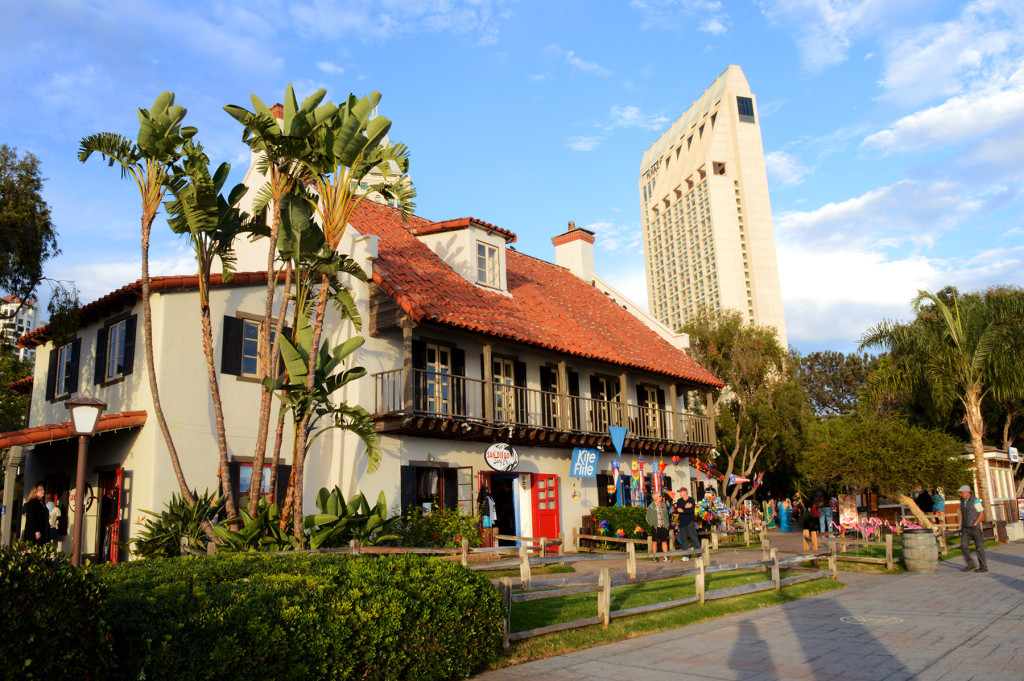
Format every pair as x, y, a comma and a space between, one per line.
820, 515
659, 518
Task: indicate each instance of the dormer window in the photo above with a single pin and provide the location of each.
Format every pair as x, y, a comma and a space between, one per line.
487, 272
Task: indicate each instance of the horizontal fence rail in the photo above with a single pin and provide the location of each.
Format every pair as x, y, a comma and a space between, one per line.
418, 392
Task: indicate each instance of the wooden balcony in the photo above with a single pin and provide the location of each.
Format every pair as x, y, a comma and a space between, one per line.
428, 404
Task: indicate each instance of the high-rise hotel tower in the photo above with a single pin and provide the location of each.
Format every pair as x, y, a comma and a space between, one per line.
707, 221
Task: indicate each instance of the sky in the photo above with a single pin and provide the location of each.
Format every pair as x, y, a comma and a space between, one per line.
893, 131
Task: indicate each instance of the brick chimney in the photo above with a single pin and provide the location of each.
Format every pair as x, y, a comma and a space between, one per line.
574, 250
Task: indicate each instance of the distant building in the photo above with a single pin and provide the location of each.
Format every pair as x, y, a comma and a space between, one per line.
15, 321
706, 217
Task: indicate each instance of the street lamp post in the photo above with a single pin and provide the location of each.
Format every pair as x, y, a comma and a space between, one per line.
85, 415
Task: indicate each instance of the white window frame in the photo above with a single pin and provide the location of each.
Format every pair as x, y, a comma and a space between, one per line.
63, 375
114, 363
487, 265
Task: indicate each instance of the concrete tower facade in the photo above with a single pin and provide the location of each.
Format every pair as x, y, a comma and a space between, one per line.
706, 216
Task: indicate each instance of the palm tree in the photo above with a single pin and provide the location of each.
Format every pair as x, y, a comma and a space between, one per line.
961, 351
281, 146
148, 161
211, 222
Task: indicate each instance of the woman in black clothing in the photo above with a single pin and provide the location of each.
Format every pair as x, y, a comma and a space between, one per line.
37, 518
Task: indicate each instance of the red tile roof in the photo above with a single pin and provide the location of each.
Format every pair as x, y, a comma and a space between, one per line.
22, 386
548, 307
63, 431
461, 223
127, 295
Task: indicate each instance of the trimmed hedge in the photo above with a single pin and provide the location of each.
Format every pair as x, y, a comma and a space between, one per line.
50, 618
300, 617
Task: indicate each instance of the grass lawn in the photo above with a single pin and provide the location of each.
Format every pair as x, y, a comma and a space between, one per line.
534, 614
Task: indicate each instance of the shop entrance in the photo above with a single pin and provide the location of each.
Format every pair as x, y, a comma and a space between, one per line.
108, 526
503, 491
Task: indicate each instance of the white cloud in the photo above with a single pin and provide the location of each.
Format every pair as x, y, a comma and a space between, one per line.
632, 117
973, 114
584, 143
330, 68
784, 168
572, 60
714, 26
678, 15
907, 212
616, 238
97, 279
537, 77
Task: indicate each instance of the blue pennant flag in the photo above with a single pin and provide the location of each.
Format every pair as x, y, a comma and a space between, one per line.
618, 435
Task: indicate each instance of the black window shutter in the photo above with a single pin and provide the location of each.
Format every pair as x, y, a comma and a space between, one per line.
408, 487
459, 384
641, 396
547, 402
284, 473
231, 349
51, 375
419, 355
101, 355
595, 389
129, 345
419, 381
661, 398
233, 473
519, 377
76, 353
574, 405
545, 378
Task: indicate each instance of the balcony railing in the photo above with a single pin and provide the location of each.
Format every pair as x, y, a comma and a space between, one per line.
472, 400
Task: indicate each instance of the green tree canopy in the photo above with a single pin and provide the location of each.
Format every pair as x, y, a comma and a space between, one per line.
885, 454
833, 380
27, 236
12, 405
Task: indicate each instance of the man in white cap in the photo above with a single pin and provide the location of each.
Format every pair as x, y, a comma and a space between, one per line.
972, 513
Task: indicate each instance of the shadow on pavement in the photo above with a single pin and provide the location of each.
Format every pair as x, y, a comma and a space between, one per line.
751, 652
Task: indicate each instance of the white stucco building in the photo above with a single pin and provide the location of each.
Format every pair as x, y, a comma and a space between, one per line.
468, 343
15, 321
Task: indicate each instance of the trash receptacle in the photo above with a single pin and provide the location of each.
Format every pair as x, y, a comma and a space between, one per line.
920, 554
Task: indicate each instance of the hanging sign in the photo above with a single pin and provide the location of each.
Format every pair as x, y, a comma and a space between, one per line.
502, 457
584, 463
1014, 456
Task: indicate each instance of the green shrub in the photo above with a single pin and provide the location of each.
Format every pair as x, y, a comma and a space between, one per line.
300, 616
161, 535
626, 518
441, 528
51, 619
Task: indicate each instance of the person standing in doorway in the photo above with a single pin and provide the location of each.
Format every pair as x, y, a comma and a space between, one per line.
658, 516
37, 518
488, 515
686, 507
972, 514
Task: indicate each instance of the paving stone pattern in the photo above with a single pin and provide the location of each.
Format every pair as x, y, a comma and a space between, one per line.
953, 626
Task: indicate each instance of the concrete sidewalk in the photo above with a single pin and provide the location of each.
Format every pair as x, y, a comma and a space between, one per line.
945, 625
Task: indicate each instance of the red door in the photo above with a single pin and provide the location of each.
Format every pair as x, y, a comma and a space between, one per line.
545, 506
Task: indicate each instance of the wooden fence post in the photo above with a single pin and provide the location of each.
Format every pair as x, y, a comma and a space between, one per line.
671, 540
543, 546
505, 588
631, 560
888, 552
465, 551
650, 546
775, 569
561, 543
211, 549
575, 540
698, 581
524, 566
833, 561
706, 551
604, 604
766, 545
714, 538
353, 547
942, 540
746, 532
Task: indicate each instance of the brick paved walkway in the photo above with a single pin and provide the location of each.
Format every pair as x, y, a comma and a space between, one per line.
947, 626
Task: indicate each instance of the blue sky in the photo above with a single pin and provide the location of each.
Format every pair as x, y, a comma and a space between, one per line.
893, 131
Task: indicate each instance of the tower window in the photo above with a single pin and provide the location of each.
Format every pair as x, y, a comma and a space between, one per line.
745, 106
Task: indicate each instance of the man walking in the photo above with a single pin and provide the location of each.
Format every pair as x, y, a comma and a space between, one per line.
972, 513
658, 519
685, 507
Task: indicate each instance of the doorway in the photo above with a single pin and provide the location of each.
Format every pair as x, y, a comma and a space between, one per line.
503, 491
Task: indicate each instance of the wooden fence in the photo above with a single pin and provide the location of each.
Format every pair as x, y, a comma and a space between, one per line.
606, 580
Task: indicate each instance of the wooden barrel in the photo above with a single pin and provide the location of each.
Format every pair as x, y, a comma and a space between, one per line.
920, 554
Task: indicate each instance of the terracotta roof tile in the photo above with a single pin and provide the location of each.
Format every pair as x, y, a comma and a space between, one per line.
549, 307
23, 386
461, 223
63, 431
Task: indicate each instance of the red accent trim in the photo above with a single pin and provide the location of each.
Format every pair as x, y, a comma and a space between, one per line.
574, 234
23, 386
462, 223
64, 431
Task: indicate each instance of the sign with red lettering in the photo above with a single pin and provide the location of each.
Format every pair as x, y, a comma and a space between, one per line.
502, 457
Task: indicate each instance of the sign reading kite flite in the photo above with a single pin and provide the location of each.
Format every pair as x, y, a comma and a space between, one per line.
502, 457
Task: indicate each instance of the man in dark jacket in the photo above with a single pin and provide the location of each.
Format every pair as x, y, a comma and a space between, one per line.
685, 507
972, 514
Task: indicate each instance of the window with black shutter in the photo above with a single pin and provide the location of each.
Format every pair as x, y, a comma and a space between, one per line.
62, 370
115, 350
239, 354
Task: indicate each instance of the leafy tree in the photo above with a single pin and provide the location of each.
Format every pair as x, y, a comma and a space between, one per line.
833, 380
959, 349
12, 405
886, 454
27, 235
149, 162
761, 412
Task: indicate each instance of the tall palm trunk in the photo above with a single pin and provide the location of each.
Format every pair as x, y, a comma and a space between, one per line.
302, 432
151, 204
223, 471
976, 427
267, 366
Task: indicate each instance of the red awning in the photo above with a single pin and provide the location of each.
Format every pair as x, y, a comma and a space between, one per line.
64, 431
